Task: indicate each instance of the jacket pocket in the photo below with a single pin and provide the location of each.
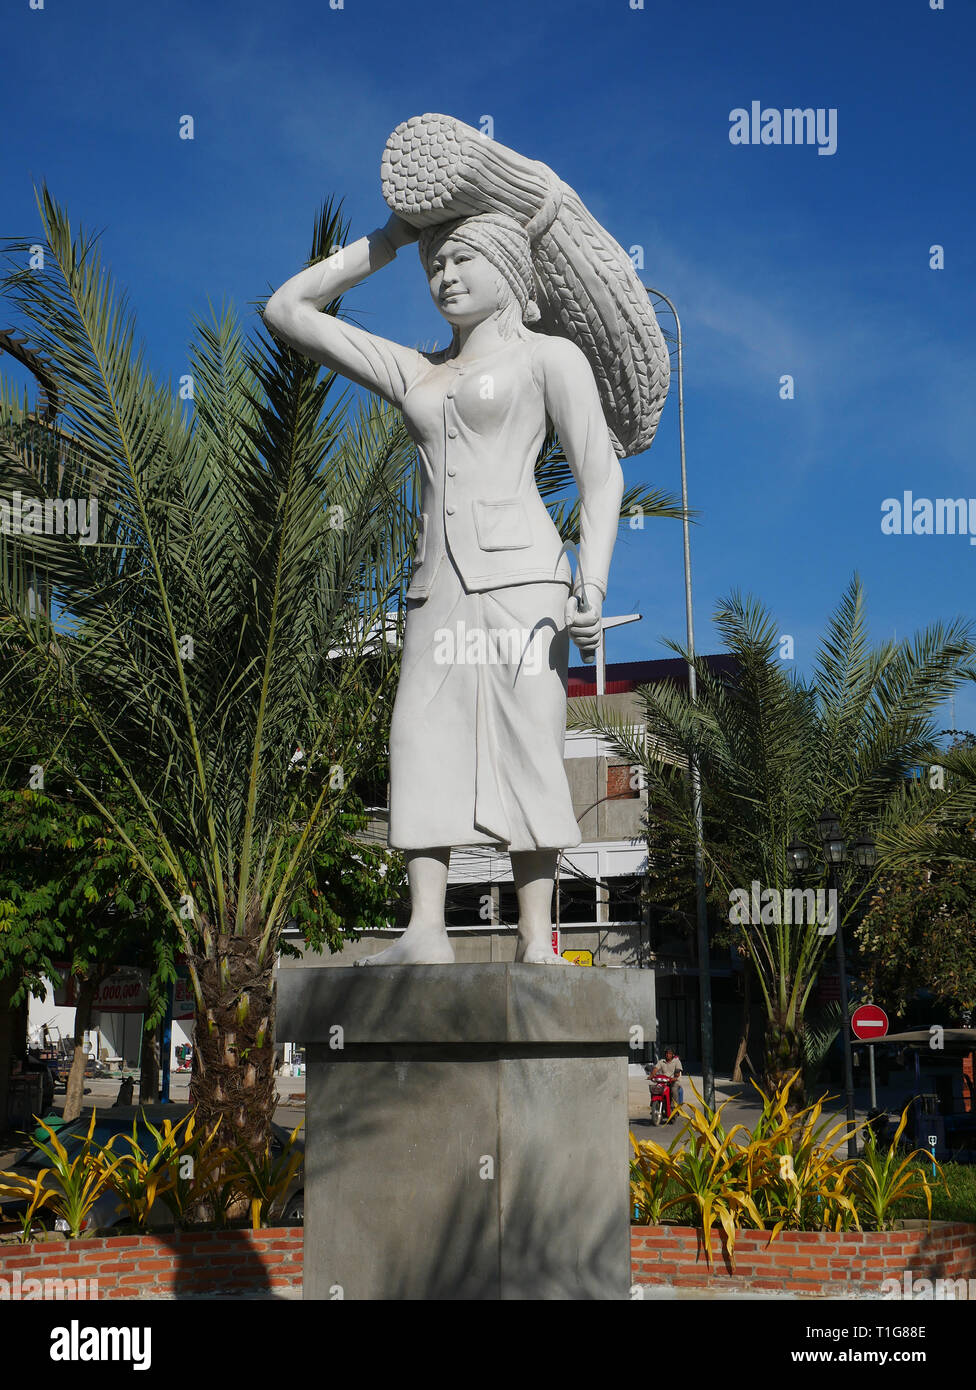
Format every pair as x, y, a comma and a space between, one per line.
502, 525
420, 549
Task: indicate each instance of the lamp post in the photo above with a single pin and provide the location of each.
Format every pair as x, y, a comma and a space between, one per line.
835, 853
701, 910
865, 853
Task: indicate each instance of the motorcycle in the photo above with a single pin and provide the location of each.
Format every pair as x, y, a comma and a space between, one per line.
662, 1099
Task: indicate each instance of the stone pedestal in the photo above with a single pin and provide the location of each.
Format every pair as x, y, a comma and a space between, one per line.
466, 1128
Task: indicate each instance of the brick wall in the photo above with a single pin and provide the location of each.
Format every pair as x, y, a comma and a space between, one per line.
824, 1264
208, 1262
161, 1266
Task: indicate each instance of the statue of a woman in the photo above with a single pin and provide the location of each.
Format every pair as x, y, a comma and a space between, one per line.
476, 746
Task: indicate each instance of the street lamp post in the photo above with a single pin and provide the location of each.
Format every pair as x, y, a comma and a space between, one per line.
701, 909
865, 854
835, 852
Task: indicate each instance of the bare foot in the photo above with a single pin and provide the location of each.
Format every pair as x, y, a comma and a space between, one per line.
422, 943
535, 948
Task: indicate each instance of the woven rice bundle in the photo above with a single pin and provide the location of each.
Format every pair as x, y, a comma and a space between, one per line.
436, 168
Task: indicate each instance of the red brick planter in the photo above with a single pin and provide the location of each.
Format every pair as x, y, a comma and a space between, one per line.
822, 1264
846, 1265
159, 1266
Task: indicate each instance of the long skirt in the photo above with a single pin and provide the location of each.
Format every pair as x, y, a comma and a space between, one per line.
476, 744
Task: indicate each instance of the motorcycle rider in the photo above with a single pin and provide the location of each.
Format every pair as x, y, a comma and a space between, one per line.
666, 1073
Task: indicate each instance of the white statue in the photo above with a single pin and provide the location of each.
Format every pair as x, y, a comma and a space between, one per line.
476, 746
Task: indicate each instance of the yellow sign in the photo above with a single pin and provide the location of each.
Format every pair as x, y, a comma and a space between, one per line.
579, 957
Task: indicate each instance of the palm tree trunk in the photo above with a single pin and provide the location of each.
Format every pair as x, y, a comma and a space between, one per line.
233, 1082
783, 1058
742, 1051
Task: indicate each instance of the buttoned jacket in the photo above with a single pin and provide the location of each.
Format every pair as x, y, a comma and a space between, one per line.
478, 425
478, 428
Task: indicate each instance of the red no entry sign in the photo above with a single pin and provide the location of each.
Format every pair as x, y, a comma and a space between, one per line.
869, 1021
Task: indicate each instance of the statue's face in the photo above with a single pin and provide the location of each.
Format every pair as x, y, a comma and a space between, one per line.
463, 284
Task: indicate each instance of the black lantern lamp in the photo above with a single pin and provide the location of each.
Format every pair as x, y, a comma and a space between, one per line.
831, 837
799, 856
865, 851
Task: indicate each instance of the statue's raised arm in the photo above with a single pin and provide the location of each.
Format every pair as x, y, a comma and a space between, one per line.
293, 313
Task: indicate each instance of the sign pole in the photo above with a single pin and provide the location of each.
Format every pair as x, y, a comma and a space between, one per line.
869, 1022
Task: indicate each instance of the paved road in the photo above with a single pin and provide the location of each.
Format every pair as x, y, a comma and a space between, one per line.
100, 1095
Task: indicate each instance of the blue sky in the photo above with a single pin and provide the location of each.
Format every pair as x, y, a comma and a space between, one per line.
780, 260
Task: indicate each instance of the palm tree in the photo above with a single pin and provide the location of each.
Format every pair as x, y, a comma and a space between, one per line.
773, 750
230, 641
933, 820
918, 934
225, 642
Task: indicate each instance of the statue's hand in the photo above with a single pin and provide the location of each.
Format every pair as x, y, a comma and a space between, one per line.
585, 627
400, 233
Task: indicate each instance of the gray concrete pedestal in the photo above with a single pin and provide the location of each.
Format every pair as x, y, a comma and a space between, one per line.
466, 1128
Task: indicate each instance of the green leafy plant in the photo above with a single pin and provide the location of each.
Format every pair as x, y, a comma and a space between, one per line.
76, 1183
784, 1174
197, 1165
186, 1169
883, 1179
142, 1175
33, 1191
266, 1180
650, 1182
704, 1176
800, 1181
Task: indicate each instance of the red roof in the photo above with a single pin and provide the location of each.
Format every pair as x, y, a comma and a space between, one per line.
624, 676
